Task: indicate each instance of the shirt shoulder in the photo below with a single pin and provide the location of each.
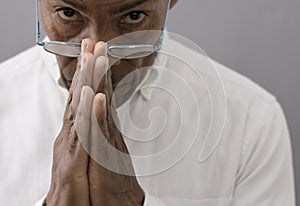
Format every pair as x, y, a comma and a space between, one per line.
243, 103
26, 62
21, 60
27, 68
235, 84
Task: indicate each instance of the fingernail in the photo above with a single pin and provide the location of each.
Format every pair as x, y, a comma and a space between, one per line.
102, 98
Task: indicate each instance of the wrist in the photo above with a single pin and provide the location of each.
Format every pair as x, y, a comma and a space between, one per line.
125, 198
67, 195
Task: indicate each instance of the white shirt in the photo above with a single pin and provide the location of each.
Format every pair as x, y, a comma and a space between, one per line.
198, 161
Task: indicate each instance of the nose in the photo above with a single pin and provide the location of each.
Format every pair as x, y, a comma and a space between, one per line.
98, 33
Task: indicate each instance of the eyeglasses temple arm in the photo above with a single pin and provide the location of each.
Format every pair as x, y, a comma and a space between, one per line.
38, 29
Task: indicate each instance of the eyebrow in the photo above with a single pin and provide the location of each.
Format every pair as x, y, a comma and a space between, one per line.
128, 7
75, 5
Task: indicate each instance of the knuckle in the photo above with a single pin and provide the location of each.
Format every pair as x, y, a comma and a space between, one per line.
68, 119
73, 141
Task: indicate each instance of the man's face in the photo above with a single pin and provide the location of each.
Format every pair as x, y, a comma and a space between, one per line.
100, 20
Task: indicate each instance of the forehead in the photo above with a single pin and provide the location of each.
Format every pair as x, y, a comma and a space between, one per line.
114, 6
104, 3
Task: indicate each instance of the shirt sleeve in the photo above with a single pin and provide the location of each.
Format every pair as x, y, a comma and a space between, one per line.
151, 200
265, 175
40, 202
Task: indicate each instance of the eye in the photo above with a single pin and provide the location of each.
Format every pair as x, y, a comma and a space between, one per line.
134, 17
68, 14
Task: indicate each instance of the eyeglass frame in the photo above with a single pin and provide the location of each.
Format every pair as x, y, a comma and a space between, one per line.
109, 47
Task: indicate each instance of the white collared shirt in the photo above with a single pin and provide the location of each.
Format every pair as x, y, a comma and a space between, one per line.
185, 153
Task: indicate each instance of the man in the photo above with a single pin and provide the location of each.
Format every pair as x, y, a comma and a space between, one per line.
247, 162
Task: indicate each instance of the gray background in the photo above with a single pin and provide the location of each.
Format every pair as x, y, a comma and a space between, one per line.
258, 38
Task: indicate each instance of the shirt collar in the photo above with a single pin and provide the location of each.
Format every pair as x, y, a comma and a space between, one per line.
146, 87
153, 76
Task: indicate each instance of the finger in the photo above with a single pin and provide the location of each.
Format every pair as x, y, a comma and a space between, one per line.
99, 109
100, 52
83, 114
69, 111
100, 49
84, 78
104, 144
109, 94
74, 80
89, 45
112, 118
75, 89
86, 71
99, 130
100, 68
88, 62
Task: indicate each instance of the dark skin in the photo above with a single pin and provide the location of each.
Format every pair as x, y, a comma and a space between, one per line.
77, 176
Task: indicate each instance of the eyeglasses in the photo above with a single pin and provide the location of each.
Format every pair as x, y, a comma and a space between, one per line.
137, 44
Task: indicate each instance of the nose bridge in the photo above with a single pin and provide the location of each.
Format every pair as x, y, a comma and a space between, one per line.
98, 31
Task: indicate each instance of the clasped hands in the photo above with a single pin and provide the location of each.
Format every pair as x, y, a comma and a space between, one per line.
78, 178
